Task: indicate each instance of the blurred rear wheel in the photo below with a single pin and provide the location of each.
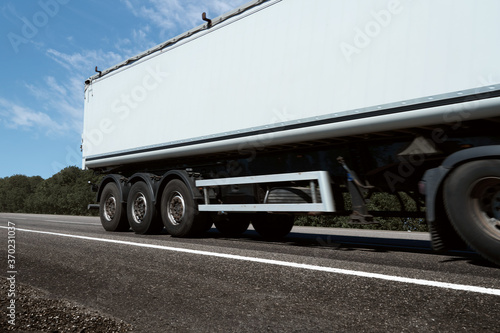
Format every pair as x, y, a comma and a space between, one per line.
273, 226
472, 201
232, 225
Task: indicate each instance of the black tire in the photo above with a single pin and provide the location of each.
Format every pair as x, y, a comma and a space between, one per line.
472, 201
205, 223
444, 237
141, 210
179, 212
111, 210
273, 226
232, 225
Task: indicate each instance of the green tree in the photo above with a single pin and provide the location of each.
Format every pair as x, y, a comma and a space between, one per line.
65, 193
15, 192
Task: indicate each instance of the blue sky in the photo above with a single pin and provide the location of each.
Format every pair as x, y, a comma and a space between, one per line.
48, 49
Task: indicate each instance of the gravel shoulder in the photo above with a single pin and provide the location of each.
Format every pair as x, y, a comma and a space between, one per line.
36, 311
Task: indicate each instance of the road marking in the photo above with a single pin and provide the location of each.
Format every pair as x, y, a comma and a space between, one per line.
84, 223
429, 283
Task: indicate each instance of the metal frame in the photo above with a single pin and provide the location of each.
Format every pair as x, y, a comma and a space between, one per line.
327, 203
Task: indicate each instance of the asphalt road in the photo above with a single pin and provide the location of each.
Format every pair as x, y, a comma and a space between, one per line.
315, 280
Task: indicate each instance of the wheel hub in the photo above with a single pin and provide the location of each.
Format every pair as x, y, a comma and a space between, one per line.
110, 208
495, 204
139, 208
176, 209
487, 192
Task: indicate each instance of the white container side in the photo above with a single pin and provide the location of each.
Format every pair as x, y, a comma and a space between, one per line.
291, 62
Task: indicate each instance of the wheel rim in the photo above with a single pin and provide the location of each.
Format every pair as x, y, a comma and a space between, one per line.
139, 208
485, 196
176, 208
496, 205
110, 208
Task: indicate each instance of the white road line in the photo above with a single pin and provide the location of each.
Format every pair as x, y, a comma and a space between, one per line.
429, 283
66, 222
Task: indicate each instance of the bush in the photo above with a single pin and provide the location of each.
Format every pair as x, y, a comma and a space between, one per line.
377, 202
65, 193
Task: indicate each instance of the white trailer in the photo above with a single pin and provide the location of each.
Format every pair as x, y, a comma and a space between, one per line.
248, 112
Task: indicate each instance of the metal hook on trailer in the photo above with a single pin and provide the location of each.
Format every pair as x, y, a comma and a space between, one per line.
204, 18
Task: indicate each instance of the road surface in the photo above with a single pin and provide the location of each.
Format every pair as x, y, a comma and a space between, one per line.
315, 280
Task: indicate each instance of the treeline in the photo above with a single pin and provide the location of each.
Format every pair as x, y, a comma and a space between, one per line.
65, 193
68, 193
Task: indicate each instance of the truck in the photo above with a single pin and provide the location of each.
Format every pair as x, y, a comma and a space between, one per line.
281, 108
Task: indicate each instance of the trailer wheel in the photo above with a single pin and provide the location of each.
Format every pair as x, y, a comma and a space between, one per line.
273, 225
178, 211
232, 225
472, 200
111, 210
141, 210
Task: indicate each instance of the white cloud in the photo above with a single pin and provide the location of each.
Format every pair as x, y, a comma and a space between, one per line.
52, 82
64, 95
137, 42
172, 15
17, 116
64, 98
59, 100
85, 60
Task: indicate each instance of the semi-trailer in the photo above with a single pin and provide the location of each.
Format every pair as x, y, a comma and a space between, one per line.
285, 107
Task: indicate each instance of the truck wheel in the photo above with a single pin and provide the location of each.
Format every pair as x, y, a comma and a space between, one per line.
232, 225
141, 210
472, 200
111, 210
178, 211
273, 225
